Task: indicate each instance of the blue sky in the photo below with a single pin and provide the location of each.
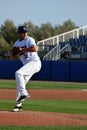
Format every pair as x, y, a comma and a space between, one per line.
42, 11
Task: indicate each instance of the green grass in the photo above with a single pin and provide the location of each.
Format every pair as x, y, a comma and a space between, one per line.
57, 106
61, 106
43, 128
43, 85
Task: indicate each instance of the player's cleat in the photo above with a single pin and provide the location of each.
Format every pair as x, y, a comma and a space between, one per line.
22, 98
17, 109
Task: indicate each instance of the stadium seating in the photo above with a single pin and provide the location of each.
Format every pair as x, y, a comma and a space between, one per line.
79, 46
73, 42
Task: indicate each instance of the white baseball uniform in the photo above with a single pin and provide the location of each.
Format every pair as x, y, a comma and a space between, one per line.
31, 65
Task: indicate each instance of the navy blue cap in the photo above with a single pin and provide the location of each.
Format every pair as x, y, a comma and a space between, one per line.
22, 29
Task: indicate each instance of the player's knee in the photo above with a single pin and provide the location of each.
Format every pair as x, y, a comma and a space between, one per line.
17, 74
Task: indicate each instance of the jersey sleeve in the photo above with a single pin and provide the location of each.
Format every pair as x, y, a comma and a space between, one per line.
31, 42
15, 44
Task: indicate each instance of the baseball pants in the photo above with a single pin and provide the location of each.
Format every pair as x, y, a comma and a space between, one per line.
24, 74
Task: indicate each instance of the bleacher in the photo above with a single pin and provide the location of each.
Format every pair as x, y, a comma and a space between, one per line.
69, 45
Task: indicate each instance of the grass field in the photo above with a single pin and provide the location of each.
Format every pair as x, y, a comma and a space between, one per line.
61, 106
42, 128
44, 85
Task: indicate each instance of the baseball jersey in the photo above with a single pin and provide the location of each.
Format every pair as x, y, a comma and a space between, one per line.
26, 57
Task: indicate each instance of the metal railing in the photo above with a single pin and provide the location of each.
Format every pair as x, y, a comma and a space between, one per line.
56, 52
63, 37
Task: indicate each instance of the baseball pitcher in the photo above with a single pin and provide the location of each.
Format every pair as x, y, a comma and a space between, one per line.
26, 49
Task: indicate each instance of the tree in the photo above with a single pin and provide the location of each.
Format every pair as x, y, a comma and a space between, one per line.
5, 48
8, 31
67, 26
48, 30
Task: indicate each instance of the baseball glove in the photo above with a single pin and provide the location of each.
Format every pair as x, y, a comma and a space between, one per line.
16, 50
